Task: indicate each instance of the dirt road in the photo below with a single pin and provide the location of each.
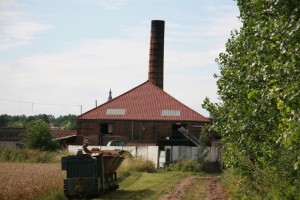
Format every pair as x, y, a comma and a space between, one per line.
213, 189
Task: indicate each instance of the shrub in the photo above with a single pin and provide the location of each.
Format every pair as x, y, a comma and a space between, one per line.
29, 156
261, 184
39, 136
186, 166
137, 164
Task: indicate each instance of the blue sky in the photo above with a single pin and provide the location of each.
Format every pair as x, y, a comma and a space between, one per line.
57, 57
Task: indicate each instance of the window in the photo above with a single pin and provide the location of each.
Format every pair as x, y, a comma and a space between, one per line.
110, 128
112, 111
170, 113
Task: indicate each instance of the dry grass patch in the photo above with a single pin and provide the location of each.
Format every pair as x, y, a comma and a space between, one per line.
29, 180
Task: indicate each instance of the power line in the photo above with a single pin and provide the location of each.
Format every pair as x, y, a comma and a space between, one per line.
40, 103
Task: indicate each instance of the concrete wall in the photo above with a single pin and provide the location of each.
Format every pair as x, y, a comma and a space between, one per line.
177, 153
8, 144
146, 152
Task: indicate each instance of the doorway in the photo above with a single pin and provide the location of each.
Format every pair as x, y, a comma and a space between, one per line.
175, 133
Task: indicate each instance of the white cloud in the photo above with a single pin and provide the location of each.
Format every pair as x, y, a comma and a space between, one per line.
192, 90
17, 28
25, 30
86, 70
79, 75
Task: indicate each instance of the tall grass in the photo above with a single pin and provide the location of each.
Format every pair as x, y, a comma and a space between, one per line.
186, 166
262, 184
195, 166
30, 155
136, 164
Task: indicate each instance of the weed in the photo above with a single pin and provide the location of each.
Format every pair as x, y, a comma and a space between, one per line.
186, 166
52, 194
30, 156
137, 164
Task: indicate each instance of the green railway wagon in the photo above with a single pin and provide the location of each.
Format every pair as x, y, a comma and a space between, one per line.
91, 176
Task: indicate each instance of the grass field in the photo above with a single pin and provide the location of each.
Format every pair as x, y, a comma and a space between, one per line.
146, 185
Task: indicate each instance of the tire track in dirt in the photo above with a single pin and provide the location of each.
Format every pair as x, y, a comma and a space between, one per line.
179, 191
215, 189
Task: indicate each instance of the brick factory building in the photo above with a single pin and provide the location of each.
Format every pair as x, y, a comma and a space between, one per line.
145, 115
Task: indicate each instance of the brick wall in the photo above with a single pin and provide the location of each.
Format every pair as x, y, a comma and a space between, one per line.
147, 131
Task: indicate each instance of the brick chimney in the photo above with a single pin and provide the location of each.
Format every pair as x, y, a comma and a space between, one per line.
156, 55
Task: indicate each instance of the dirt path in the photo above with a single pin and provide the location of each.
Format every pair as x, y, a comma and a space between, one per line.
179, 191
215, 190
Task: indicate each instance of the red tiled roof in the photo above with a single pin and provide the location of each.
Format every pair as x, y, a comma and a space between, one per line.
144, 102
63, 133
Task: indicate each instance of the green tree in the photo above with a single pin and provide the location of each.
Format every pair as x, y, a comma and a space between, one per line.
4, 120
39, 136
259, 85
67, 122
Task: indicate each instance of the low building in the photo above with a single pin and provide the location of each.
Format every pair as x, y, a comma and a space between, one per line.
64, 137
12, 137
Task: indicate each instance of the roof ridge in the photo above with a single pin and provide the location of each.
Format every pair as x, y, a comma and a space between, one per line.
160, 94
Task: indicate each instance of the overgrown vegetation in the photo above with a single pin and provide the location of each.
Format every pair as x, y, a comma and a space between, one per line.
186, 166
39, 136
135, 164
30, 156
195, 167
260, 110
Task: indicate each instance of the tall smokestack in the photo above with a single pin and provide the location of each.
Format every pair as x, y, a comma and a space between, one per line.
156, 56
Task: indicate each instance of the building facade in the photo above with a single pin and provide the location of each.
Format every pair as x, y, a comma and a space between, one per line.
145, 115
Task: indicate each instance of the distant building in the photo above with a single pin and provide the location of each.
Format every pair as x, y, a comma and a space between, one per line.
64, 137
12, 137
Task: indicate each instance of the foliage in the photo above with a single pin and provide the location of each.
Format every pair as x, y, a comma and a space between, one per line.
187, 166
264, 184
67, 122
204, 143
137, 164
29, 156
259, 87
39, 136
52, 194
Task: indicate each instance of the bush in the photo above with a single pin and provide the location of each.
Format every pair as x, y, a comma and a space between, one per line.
261, 184
186, 166
137, 164
39, 136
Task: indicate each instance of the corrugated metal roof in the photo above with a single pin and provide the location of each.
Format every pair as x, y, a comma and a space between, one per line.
144, 102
